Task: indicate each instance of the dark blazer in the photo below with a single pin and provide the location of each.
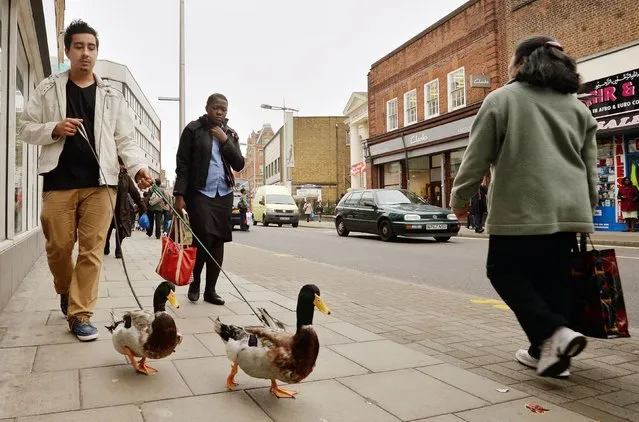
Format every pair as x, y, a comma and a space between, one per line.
194, 156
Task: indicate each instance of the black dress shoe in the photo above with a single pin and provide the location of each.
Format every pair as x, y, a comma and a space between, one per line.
213, 298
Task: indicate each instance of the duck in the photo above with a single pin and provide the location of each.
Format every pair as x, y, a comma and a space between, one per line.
145, 334
270, 351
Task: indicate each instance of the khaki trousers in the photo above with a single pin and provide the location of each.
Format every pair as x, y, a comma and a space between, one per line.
88, 213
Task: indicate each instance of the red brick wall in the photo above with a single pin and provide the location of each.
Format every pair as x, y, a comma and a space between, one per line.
584, 27
467, 39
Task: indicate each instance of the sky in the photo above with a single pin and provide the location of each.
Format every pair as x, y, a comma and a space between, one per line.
307, 55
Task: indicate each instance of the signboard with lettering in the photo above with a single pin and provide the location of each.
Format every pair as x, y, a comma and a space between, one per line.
612, 95
480, 81
619, 122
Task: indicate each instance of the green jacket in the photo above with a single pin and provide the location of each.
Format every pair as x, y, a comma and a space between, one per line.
541, 150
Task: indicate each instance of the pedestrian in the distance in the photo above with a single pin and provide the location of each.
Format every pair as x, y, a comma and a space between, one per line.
208, 153
478, 206
242, 206
539, 141
308, 210
629, 197
319, 210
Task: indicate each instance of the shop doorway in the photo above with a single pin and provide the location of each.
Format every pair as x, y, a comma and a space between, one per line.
435, 193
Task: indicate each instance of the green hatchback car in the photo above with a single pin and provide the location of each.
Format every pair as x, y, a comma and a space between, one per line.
393, 212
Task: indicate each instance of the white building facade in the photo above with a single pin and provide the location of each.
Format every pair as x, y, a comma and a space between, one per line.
24, 62
147, 122
273, 160
357, 112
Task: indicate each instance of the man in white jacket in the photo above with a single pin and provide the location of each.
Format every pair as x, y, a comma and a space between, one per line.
83, 125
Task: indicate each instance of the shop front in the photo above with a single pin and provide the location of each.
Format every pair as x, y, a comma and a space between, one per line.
614, 102
423, 161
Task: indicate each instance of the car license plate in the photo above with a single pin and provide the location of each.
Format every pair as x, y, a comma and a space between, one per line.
436, 226
284, 218
236, 211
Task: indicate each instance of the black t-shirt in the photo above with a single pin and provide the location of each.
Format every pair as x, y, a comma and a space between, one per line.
77, 167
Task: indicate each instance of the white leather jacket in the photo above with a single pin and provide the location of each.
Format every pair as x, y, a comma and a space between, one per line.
114, 129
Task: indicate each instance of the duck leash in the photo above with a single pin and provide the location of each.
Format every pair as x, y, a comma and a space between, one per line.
156, 189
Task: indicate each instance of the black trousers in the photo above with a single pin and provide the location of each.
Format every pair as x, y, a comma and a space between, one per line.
531, 274
118, 240
216, 247
155, 217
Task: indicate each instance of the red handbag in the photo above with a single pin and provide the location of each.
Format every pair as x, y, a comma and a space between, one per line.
178, 255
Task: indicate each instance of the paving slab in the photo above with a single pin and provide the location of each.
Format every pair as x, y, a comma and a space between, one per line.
213, 343
410, 394
320, 401
477, 385
12, 319
208, 375
333, 365
329, 337
34, 394
443, 418
201, 309
40, 335
106, 414
223, 407
383, 355
116, 385
353, 331
194, 325
17, 360
516, 411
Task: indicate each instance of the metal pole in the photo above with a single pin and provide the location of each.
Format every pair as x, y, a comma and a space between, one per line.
181, 65
336, 166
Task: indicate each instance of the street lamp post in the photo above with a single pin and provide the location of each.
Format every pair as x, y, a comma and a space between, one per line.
180, 99
284, 110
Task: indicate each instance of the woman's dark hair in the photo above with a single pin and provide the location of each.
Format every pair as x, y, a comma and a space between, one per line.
623, 181
78, 26
544, 64
214, 97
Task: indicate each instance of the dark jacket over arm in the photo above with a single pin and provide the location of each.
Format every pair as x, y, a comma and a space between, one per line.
194, 156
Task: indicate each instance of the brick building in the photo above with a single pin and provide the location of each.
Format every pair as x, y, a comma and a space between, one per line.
320, 162
423, 98
253, 170
424, 95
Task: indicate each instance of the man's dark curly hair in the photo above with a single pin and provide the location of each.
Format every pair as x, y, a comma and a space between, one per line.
78, 26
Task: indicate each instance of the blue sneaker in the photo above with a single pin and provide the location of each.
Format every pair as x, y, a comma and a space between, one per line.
83, 329
64, 304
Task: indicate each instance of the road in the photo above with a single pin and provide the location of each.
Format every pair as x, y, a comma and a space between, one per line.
458, 265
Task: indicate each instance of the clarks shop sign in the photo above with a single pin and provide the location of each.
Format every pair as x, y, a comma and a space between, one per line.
613, 95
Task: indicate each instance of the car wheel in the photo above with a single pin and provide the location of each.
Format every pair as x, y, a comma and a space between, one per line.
264, 222
254, 222
386, 231
442, 239
279, 224
295, 224
341, 228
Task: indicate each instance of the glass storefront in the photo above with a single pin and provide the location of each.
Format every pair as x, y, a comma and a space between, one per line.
425, 176
393, 175
617, 157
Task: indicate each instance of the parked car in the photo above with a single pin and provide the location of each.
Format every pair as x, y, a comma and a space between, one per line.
393, 212
274, 204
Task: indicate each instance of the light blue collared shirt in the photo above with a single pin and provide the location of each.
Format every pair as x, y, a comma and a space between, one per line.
216, 179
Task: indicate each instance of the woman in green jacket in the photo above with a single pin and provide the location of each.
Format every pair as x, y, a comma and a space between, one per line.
538, 140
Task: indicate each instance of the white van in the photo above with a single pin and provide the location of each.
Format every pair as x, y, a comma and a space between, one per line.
274, 204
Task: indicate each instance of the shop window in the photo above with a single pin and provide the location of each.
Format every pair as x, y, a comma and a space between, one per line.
393, 175
21, 168
410, 107
419, 175
456, 89
455, 162
391, 115
431, 99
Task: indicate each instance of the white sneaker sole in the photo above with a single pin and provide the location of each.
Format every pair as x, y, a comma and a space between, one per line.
576, 346
530, 364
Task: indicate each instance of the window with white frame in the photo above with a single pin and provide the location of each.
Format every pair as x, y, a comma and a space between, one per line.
391, 115
431, 99
410, 107
456, 89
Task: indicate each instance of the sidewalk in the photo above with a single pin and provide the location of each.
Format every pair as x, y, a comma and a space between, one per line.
391, 351
598, 238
